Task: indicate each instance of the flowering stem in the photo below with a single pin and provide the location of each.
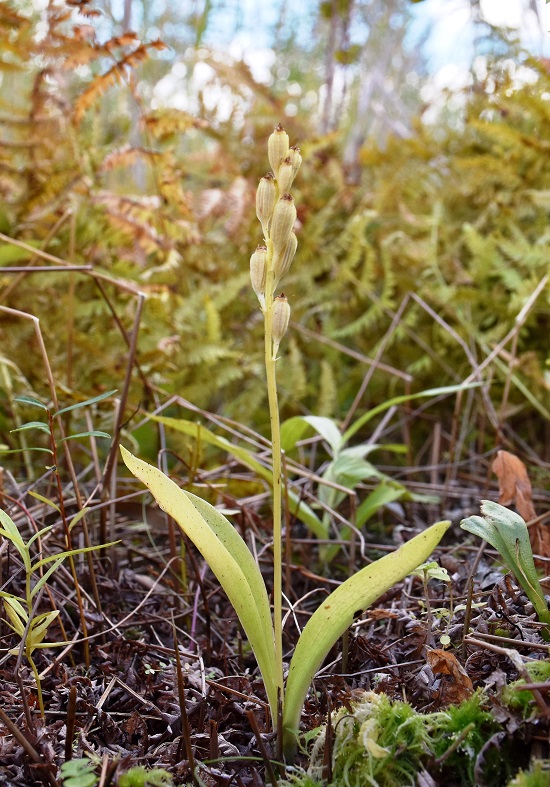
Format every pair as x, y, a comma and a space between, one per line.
277, 469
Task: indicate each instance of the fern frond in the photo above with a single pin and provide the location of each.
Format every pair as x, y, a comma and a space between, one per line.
116, 74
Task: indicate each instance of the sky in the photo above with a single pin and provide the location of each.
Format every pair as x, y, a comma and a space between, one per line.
451, 36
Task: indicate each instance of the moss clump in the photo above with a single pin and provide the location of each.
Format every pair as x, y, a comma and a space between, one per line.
468, 722
386, 744
523, 701
538, 775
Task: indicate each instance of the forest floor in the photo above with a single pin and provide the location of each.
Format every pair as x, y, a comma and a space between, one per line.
117, 697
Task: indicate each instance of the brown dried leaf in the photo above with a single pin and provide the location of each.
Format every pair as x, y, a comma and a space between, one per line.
514, 484
456, 685
515, 487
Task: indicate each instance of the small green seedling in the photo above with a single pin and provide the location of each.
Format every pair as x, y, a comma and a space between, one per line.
32, 628
425, 572
507, 532
78, 773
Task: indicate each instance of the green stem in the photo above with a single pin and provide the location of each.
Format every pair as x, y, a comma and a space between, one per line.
277, 474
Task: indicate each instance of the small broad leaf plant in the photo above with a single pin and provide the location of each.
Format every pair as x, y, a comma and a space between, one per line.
21, 613
223, 549
507, 532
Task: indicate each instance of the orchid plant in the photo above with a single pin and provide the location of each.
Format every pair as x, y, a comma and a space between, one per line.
215, 537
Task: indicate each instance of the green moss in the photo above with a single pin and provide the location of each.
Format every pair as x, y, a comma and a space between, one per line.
523, 701
386, 744
472, 724
538, 775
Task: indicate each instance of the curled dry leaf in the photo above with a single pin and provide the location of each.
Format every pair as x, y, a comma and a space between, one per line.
456, 685
515, 488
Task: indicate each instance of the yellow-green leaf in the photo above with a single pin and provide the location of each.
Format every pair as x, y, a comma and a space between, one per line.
337, 613
229, 559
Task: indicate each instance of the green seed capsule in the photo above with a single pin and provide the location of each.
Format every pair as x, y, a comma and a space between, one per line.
258, 271
285, 176
282, 262
282, 222
277, 148
266, 197
281, 317
295, 159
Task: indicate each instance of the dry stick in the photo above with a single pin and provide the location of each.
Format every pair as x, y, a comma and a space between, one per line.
51, 234
74, 480
70, 723
343, 350
509, 641
71, 305
261, 746
475, 375
185, 726
107, 770
124, 395
44, 269
123, 332
26, 709
428, 349
520, 319
470, 596
518, 323
95, 274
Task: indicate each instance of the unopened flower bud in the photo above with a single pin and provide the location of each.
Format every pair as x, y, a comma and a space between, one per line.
282, 222
285, 176
281, 317
277, 147
266, 197
258, 270
283, 261
295, 159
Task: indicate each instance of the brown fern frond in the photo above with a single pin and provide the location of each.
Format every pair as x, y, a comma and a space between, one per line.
81, 56
133, 216
96, 89
117, 73
117, 42
136, 57
145, 236
10, 18
89, 13
126, 156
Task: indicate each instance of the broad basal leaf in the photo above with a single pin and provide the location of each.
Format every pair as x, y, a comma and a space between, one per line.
228, 557
337, 613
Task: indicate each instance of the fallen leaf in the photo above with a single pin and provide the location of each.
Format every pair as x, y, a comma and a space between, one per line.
515, 488
456, 685
514, 484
